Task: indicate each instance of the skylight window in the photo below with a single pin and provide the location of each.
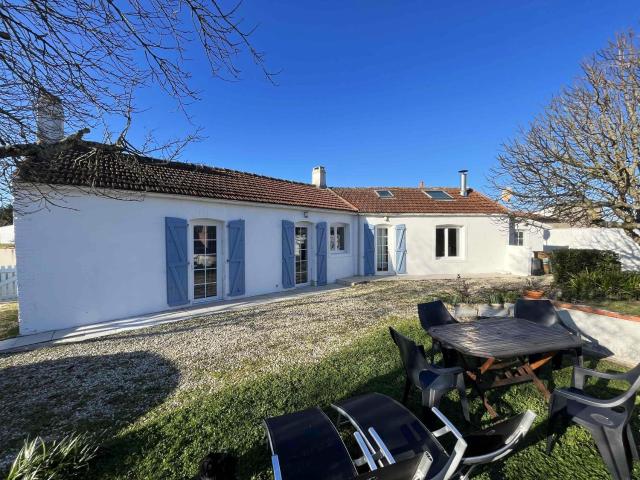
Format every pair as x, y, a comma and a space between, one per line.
384, 193
438, 194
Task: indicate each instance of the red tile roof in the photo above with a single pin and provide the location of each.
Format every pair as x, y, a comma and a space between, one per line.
81, 167
87, 165
414, 200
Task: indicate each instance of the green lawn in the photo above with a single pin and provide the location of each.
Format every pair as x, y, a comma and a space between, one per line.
169, 443
631, 307
8, 320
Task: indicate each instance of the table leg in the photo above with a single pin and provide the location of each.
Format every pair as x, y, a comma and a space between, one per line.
536, 381
580, 357
481, 392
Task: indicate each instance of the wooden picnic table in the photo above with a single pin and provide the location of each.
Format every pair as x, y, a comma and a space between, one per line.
510, 351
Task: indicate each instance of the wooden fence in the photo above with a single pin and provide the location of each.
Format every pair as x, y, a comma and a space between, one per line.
8, 283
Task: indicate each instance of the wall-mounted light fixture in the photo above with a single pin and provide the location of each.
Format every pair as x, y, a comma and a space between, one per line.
306, 214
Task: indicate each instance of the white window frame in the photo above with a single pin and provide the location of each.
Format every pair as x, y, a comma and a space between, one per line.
389, 269
221, 259
518, 238
461, 242
336, 251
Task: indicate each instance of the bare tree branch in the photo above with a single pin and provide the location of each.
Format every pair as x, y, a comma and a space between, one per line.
95, 54
579, 160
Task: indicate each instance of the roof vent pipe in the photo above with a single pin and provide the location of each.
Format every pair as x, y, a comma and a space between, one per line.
49, 118
464, 191
319, 177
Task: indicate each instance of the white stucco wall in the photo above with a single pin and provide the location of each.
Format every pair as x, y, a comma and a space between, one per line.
598, 238
483, 246
103, 259
7, 234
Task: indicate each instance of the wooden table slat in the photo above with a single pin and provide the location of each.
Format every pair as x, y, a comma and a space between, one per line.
504, 337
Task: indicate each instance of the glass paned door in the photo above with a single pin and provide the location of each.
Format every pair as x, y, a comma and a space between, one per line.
302, 255
382, 250
205, 261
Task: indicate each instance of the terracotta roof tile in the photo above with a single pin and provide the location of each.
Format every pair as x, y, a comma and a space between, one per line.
104, 170
414, 200
88, 166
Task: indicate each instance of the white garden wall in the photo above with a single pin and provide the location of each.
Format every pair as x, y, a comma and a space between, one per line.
483, 243
102, 259
618, 333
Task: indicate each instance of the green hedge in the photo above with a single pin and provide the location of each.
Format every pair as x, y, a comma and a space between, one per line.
566, 263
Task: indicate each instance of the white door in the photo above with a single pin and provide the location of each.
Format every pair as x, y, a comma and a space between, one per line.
382, 249
302, 255
205, 262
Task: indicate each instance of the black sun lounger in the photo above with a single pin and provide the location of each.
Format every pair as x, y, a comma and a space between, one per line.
306, 446
382, 420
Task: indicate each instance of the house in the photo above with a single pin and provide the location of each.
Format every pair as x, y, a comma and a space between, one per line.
162, 235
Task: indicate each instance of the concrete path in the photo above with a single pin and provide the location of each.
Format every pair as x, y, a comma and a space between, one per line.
85, 332
360, 279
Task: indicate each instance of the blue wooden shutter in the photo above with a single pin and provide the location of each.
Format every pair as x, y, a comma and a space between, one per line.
401, 249
177, 261
288, 254
369, 250
321, 252
236, 257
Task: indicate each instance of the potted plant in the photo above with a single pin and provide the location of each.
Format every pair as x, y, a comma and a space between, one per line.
496, 300
464, 310
533, 290
510, 297
493, 307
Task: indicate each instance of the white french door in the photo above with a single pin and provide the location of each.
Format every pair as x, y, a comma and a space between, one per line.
205, 262
382, 249
302, 255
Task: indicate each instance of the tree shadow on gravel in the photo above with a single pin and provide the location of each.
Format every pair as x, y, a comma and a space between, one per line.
99, 394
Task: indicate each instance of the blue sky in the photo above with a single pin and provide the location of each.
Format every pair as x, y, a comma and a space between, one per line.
387, 93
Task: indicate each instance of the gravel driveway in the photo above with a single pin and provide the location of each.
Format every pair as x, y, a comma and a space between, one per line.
111, 382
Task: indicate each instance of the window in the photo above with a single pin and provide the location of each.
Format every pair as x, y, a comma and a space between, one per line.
517, 238
205, 269
338, 238
447, 242
302, 255
384, 193
438, 194
382, 249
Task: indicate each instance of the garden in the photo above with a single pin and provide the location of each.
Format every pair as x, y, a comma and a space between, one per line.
151, 403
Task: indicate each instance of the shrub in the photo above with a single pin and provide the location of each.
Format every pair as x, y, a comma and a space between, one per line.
66, 458
565, 263
597, 284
